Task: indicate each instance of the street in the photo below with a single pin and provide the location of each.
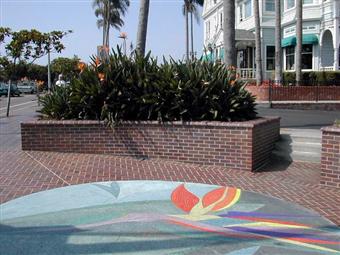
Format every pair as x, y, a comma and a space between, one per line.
23, 108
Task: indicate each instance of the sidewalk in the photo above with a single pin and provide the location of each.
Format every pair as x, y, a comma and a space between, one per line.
22, 173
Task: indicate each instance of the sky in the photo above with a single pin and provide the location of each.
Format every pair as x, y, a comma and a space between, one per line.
166, 27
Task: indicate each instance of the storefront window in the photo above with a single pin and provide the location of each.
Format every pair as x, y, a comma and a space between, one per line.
290, 57
307, 56
270, 55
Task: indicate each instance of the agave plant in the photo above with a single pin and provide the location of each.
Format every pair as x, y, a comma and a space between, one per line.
138, 88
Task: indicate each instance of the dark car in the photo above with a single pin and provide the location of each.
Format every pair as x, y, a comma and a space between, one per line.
14, 90
3, 90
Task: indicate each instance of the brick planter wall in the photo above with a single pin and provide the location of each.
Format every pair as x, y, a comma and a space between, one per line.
330, 157
237, 145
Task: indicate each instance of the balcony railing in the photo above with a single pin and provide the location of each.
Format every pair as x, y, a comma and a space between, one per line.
247, 73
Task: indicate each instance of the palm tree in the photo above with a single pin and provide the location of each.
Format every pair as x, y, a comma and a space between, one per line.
298, 54
109, 14
278, 50
259, 77
229, 32
142, 26
190, 6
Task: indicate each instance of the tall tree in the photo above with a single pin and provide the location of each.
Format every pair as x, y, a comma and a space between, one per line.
278, 49
190, 7
29, 45
142, 26
109, 14
229, 32
298, 49
258, 44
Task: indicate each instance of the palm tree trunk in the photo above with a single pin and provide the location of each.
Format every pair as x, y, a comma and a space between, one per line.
259, 73
298, 53
192, 35
229, 32
142, 26
107, 36
278, 49
104, 34
186, 31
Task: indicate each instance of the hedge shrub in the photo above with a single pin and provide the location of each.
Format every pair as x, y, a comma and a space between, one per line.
313, 78
138, 88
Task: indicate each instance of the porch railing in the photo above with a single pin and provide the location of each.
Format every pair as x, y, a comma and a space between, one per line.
247, 73
327, 68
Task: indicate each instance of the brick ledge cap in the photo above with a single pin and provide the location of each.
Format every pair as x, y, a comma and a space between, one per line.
246, 124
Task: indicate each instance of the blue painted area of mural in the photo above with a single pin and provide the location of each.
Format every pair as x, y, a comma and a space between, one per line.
154, 217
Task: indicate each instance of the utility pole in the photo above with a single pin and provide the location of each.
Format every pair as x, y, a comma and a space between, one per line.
8, 97
49, 70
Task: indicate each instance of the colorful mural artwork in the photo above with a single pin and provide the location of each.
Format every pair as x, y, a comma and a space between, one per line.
155, 217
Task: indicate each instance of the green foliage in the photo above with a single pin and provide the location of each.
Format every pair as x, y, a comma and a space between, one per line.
314, 78
66, 66
337, 123
21, 70
138, 88
56, 105
31, 44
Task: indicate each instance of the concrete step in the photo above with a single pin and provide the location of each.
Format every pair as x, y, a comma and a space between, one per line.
298, 156
299, 145
292, 146
302, 139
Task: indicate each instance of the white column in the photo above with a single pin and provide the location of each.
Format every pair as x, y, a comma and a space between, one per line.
336, 58
336, 36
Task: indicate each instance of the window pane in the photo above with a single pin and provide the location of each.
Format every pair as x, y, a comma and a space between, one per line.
307, 1
248, 8
307, 56
290, 4
270, 6
270, 57
290, 58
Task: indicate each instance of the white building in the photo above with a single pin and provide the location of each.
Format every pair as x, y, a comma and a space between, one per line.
321, 34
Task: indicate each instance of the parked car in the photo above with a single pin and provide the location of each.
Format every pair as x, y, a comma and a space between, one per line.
14, 90
27, 88
3, 89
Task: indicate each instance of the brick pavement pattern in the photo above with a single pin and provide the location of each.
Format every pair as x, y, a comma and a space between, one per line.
23, 173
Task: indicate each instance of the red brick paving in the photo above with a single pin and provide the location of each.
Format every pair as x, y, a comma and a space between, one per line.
24, 173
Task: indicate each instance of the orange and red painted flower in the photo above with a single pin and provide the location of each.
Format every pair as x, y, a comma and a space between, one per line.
216, 200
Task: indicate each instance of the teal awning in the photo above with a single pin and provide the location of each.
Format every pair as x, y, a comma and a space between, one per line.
310, 39
289, 41
306, 39
208, 57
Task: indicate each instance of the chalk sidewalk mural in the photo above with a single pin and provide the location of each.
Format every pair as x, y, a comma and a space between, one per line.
154, 217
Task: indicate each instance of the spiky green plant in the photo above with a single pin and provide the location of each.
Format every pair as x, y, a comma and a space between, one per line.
138, 88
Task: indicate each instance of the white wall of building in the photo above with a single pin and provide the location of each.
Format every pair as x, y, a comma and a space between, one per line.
319, 16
